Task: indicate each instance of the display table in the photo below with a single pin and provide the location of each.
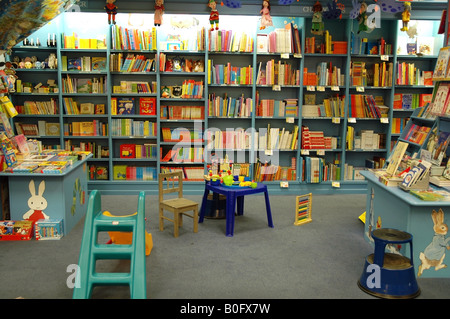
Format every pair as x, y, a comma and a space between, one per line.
59, 195
235, 195
391, 207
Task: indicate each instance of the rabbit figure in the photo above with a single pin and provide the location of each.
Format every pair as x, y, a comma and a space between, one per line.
434, 253
36, 203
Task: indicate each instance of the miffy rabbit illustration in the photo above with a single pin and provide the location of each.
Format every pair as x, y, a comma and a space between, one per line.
434, 253
36, 203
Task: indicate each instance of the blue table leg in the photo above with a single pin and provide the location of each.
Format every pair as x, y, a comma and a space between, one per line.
203, 208
231, 204
240, 205
269, 212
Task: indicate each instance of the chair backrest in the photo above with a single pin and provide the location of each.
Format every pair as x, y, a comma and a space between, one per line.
170, 183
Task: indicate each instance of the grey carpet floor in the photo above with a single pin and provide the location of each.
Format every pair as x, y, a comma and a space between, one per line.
322, 259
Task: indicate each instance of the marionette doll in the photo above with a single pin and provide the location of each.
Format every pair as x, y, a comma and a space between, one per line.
214, 15
159, 11
266, 19
111, 10
317, 26
362, 18
406, 16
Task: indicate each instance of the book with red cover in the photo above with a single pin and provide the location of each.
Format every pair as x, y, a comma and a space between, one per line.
127, 151
147, 106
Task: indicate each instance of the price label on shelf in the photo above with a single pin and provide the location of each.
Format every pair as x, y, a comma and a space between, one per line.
297, 55
360, 89
320, 152
310, 88
336, 120
284, 184
335, 88
290, 120
284, 55
384, 120
336, 184
352, 120
304, 152
384, 58
276, 87
268, 152
321, 88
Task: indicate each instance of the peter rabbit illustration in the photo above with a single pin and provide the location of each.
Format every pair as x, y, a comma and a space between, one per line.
434, 253
36, 203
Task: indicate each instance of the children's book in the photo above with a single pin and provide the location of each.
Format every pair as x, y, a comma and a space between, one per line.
147, 106
125, 106
84, 85
5, 125
440, 70
440, 148
98, 63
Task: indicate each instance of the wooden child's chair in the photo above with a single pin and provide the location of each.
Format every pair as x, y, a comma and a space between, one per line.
173, 183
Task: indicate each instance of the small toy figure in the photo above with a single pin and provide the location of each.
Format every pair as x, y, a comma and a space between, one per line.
159, 11
111, 10
214, 15
37, 203
317, 26
406, 16
266, 19
362, 18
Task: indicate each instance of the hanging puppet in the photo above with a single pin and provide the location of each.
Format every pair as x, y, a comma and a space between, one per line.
159, 11
362, 19
266, 19
406, 16
317, 26
214, 15
111, 10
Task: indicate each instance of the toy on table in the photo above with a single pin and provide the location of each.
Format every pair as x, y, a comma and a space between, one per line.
266, 19
111, 10
406, 16
214, 15
159, 11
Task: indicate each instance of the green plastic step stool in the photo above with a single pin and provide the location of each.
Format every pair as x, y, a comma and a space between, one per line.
91, 251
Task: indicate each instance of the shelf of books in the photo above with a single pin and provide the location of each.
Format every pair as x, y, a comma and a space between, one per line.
293, 105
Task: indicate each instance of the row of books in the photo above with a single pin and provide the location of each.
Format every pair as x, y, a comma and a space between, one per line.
362, 45
131, 63
182, 112
131, 150
134, 173
190, 173
128, 106
330, 107
190, 89
183, 154
317, 170
98, 150
181, 134
84, 85
365, 106
132, 39
29, 87
277, 108
228, 74
132, 127
326, 46
409, 74
75, 42
317, 140
408, 101
264, 139
141, 87
83, 63
39, 107
229, 41
378, 75
228, 106
417, 133
274, 173
398, 124
194, 41
71, 107
280, 40
43, 128
365, 139
326, 75
86, 128
179, 64
277, 73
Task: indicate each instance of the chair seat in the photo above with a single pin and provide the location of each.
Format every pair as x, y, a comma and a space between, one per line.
179, 203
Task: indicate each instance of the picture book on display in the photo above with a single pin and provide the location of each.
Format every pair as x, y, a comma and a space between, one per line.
147, 106
440, 148
440, 70
125, 106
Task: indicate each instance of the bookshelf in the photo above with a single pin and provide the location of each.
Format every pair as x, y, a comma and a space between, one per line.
197, 117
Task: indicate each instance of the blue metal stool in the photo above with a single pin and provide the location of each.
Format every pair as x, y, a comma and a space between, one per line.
389, 275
